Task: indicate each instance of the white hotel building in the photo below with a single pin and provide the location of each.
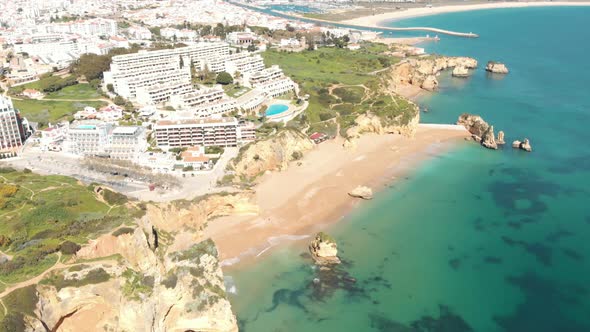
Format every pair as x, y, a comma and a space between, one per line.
130, 71
103, 139
272, 81
204, 102
93, 27
205, 132
11, 131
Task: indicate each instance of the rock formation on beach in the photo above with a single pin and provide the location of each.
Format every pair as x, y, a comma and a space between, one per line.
524, 145
324, 250
271, 154
496, 67
371, 123
480, 130
361, 192
422, 72
460, 71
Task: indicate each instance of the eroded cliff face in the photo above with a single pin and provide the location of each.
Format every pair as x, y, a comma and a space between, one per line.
181, 291
371, 123
422, 72
271, 154
158, 275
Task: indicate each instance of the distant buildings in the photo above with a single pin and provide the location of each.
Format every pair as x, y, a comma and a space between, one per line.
92, 27
12, 127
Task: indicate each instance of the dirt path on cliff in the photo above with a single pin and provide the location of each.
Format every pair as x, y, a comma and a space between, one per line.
57, 266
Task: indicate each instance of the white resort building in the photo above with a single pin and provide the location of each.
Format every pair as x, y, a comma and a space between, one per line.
12, 133
204, 102
205, 132
271, 81
94, 138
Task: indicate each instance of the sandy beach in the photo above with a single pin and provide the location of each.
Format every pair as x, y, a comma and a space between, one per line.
380, 19
312, 193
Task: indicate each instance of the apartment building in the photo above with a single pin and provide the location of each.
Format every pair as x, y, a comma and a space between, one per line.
271, 81
12, 133
87, 138
161, 93
251, 100
126, 143
96, 138
204, 102
244, 63
148, 68
205, 132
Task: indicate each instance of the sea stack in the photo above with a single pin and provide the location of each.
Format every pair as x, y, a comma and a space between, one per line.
496, 67
430, 83
460, 71
480, 130
500, 139
525, 145
362, 192
324, 250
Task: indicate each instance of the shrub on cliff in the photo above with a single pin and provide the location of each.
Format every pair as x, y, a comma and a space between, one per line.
69, 248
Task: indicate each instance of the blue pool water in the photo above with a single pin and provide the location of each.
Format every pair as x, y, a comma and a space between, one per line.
86, 127
275, 109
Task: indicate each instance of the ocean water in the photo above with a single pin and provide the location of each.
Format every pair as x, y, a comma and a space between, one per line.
474, 240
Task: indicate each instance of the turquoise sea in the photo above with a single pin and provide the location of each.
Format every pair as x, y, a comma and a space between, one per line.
474, 240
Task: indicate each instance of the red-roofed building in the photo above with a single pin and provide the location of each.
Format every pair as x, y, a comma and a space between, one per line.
195, 157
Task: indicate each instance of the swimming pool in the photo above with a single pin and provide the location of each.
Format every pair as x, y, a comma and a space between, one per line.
275, 109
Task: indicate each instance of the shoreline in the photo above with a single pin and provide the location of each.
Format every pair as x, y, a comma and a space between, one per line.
378, 21
302, 200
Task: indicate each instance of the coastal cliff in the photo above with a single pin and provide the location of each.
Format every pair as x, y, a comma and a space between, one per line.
422, 72
177, 291
372, 123
271, 154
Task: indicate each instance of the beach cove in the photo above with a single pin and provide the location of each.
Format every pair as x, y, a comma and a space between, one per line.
476, 240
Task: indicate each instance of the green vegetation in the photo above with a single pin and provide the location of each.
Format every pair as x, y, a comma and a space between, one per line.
44, 111
19, 303
194, 253
81, 91
95, 276
137, 285
224, 78
48, 214
341, 84
325, 237
123, 230
47, 83
113, 198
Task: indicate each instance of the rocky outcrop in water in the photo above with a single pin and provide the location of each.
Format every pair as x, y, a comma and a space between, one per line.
480, 130
496, 67
324, 249
422, 72
500, 139
271, 154
524, 145
488, 140
460, 71
361, 192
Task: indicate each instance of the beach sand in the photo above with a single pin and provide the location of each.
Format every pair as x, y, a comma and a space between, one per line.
313, 192
380, 19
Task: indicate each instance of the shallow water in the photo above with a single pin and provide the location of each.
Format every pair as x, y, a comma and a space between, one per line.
475, 240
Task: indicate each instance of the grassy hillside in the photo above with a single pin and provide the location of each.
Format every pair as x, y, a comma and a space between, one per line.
46, 215
341, 84
45, 111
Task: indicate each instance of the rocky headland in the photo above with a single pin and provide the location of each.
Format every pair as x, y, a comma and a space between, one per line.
271, 154
422, 72
496, 67
324, 250
481, 131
